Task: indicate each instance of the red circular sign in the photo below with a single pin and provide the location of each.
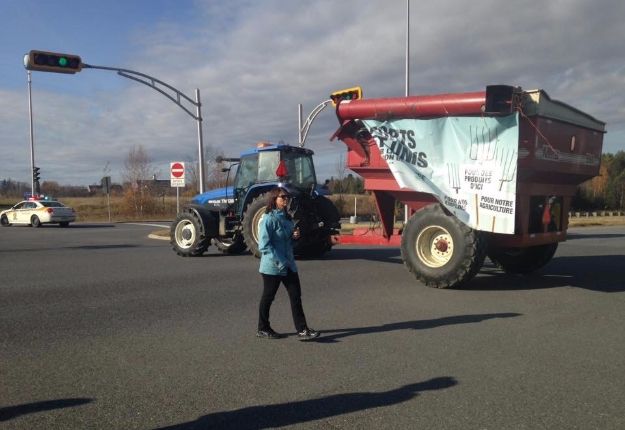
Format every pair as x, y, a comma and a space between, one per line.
177, 170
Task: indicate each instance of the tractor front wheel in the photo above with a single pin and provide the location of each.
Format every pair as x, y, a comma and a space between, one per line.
187, 235
440, 250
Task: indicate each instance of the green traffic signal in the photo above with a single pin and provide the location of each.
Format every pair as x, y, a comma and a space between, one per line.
43, 61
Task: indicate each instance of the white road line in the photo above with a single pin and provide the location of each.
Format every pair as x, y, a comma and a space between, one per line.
149, 225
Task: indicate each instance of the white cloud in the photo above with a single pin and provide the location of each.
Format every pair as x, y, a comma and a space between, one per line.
255, 61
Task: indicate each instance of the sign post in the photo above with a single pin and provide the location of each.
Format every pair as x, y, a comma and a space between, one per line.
176, 170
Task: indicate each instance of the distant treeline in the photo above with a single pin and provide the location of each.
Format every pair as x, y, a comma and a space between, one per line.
15, 189
604, 192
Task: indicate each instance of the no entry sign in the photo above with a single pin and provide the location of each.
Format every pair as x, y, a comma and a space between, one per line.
176, 170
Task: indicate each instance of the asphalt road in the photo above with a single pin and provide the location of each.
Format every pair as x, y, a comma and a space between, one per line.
104, 328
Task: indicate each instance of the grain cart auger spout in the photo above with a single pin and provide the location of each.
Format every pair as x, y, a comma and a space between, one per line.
488, 173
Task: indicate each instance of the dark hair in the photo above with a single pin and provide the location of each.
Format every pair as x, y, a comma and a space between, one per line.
271, 198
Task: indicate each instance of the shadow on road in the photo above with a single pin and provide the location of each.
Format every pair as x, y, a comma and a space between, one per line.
573, 236
71, 226
110, 246
384, 254
291, 413
11, 412
603, 273
409, 325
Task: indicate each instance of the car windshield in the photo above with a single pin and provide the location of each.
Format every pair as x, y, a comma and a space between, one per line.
52, 204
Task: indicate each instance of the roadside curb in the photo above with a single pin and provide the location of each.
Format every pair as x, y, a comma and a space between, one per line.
157, 236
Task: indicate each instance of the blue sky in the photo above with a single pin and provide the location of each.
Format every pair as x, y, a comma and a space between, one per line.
254, 61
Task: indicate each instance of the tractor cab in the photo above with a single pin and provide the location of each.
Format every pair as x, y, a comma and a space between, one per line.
267, 165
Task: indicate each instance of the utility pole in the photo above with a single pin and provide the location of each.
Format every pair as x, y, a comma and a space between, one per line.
32, 138
407, 74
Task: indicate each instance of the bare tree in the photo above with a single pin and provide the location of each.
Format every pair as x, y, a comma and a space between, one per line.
137, 165
213, 172
137, 170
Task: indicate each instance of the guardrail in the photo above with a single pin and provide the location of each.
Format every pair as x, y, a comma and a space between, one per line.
595, 214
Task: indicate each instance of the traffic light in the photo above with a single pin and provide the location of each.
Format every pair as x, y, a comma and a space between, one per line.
354, 93
43, 61
36, 176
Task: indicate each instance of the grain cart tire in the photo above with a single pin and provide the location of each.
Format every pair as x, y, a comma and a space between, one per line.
251, 221
440, 250
188, 236
523, 260
231, 246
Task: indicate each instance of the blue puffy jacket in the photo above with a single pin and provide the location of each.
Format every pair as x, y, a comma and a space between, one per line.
275, 244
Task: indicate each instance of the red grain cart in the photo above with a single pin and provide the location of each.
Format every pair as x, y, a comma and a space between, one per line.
487, 173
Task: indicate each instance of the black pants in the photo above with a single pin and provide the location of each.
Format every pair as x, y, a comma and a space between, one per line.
270, 287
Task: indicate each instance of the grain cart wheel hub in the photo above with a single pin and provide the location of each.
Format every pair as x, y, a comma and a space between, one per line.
185, 234
435, 246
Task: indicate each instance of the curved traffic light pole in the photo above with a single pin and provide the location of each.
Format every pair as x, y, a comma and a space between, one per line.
303, 129
152, 82
44, 61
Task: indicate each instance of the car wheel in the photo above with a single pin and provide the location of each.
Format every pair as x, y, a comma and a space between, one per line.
4, 221
35, 221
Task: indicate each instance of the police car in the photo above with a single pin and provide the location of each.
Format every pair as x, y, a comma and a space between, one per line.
36, 212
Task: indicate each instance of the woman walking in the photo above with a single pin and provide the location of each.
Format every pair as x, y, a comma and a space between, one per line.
277, 265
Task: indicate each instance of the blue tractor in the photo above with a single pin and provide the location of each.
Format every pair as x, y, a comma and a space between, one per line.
229, 217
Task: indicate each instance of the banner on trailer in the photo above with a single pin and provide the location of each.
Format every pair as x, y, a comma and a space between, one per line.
468, 163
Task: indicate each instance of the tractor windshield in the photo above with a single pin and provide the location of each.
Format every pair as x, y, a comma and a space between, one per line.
261, 168
299, 167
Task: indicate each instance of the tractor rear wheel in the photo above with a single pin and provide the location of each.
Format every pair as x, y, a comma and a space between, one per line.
523, 260
251, 222
440, 250
315, 239
188, 237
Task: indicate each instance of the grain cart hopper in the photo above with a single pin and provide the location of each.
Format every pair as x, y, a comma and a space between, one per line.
488, 173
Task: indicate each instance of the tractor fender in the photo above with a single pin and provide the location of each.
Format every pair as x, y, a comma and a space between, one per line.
253, 192
209, 217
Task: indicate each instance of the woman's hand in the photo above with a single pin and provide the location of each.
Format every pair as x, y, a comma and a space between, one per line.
296, 233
